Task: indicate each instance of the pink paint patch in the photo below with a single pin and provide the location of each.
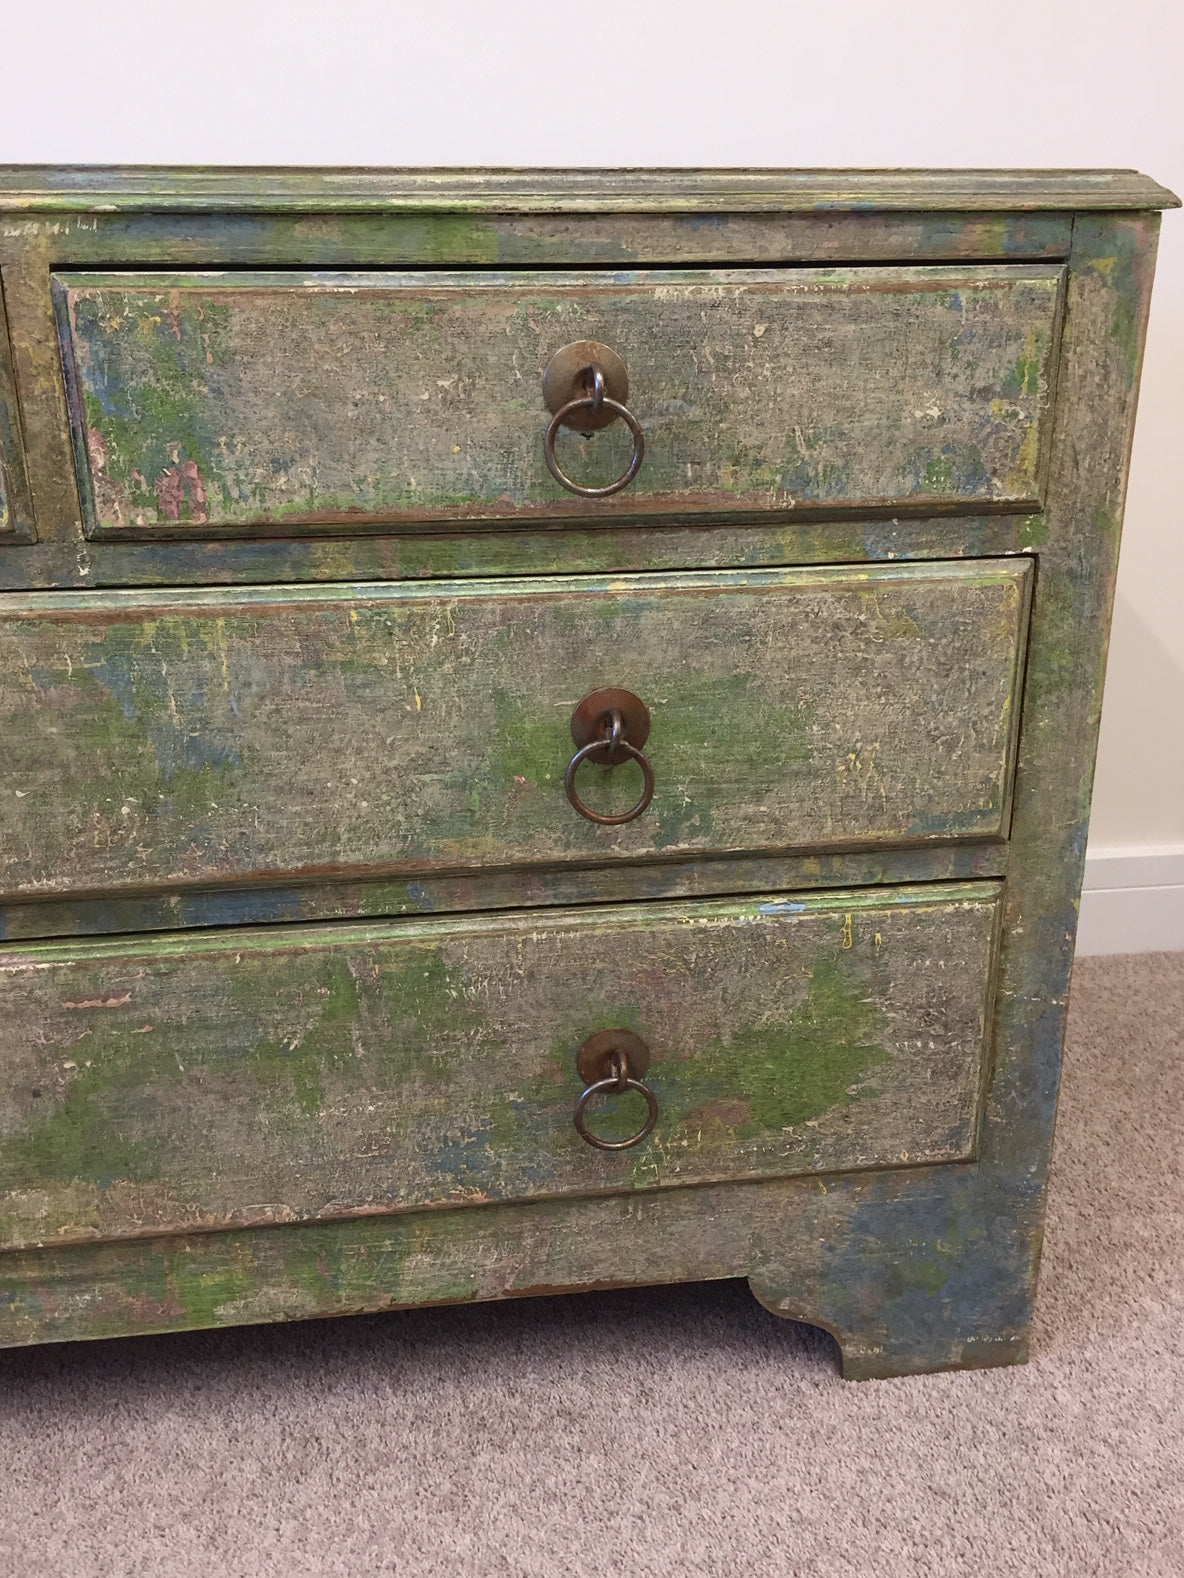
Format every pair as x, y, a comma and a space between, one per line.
196, 488
178, 485
170, 493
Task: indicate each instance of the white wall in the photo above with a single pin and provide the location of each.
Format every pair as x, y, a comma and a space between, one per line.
642, 82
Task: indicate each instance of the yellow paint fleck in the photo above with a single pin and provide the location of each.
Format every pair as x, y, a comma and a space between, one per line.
848, 935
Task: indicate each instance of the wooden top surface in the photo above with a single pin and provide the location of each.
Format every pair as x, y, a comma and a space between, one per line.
156, 188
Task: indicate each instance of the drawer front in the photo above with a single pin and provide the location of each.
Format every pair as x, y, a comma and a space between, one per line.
272, 403
289, 734
211, 1079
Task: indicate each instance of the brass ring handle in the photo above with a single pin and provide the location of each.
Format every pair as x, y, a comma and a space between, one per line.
594, 403
611, 747
621, 1052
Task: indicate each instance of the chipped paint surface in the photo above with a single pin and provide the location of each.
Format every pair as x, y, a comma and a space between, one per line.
913, 1267
216, 1079
156, 738
215, 401
15, 510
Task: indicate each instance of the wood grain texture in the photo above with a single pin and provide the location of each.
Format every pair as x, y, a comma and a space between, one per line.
210, 403
219, 1079
570, 240
16, 515
912, 1267
33, 246
1108, 300
64, 188
476, 554
163, 738
879, 1259
700, 876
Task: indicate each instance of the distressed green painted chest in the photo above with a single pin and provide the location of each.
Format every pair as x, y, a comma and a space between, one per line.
547, 729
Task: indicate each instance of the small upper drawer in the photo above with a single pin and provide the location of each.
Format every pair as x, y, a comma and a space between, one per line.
266, 404
283, 734
221, 1078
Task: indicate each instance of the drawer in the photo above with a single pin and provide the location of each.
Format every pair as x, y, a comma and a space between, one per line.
293, 734
219, 1078
273, 403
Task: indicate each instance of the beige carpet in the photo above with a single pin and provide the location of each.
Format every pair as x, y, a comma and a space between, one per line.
666, 1431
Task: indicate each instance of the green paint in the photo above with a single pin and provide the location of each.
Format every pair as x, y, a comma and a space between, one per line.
790, 1070
91, 1135
317, 1016
152, 427
422, 1063
1034, 531
733, 721
912, 1269
1028, 373
403, 729
413, 398
939, 474
530, 749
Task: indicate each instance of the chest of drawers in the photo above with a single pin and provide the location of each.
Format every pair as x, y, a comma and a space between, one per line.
548, 723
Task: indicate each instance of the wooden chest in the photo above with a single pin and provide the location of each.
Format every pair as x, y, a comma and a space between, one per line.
547, 730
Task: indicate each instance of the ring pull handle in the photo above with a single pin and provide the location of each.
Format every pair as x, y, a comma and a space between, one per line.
613, 1061
610, 727
586, 386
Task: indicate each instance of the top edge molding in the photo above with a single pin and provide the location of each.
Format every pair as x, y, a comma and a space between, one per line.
170, 189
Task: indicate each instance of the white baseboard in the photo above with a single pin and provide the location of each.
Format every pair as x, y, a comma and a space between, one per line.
1133, 900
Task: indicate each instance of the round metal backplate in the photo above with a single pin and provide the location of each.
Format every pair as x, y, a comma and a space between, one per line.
595, 1058
564, 380
588, 723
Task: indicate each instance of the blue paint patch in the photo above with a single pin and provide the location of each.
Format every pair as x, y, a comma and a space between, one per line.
44, 679
478, 1161
947, 1278
238, 907
92, 371
115, 676
781, 907
970, 823
421, 897
133, 682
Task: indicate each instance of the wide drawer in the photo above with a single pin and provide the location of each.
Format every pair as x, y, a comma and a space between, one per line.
209, 1079
299, 733
272, 403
